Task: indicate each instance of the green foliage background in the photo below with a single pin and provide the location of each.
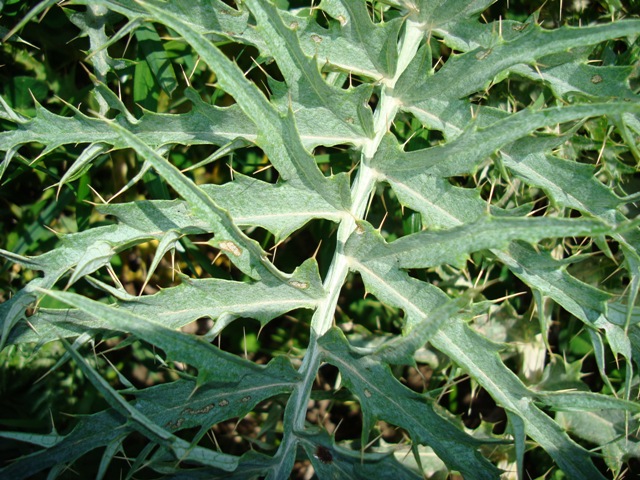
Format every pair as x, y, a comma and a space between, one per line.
519, 270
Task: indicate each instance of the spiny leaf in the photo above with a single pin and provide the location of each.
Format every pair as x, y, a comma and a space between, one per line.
571, 80
479, 357
204, 124
78, 248
464, 154
343, 46
179, 405
403, 349
465, 74
432, 248
307, 90
430, 196
210, 17
92, 432
280, 209
81, 164
13, 310
608, 428
569, 184
220, 300
468, 73
245, 253
566, 77
386, 399
327, 68
441, 204
277, 134
395, 287
178, 346
97, 255
549, 277
168, 242
175, 406
181, 448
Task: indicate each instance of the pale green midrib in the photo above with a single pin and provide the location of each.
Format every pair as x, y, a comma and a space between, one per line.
364, 183
98, 40
361, 191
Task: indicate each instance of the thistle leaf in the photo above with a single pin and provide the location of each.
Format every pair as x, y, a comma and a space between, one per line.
258, 142
382, 397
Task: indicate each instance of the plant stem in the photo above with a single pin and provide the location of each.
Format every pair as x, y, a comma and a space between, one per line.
365, 181
361, 191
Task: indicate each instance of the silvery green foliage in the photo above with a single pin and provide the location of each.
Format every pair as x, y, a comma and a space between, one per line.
314, 106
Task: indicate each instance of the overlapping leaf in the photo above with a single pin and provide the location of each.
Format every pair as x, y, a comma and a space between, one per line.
307, 93
463, 75
379, 266
382, 397
220, 300
356, 45
464, 154
432, 248
174, 406
277, 134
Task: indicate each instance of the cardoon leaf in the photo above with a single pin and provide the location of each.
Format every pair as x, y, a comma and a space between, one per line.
474, 70
569, 184
464, 154
141, 422
366, 203
244, 252
432, 248
356, 35
307, 90
386, 399
220, 300
180, 347
607, 427
477, 355
277, 135
280, 208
